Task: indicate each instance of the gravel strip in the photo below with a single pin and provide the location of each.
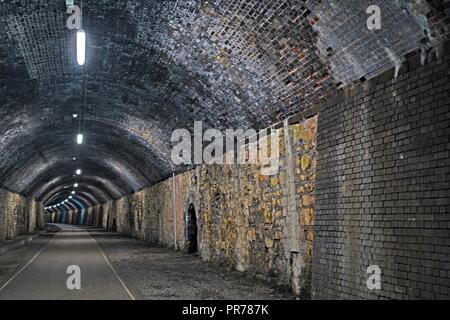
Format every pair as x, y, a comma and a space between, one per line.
162, 274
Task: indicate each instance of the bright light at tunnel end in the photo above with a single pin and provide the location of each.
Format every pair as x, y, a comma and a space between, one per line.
81, 47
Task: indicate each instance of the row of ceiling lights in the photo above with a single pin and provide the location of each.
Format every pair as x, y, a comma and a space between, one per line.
73, 192
77, 172
79, 140
81, 59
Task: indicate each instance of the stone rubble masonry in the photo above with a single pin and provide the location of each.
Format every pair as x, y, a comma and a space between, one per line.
383, 187
261, 225
18, 215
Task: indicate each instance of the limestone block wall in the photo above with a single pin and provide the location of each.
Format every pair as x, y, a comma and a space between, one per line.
149, 214
262, 225
18, 215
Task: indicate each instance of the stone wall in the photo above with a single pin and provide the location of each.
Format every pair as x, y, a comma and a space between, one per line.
383, 187
258, 224
18, 215
93, 216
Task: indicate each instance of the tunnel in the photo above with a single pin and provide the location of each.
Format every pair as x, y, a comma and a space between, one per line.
301, 143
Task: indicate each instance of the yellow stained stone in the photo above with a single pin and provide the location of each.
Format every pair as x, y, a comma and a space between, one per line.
309, 235
305, 162
274, 181
267, 216
308, 253
276, 202
307, 217
269, 242
307, 200
299, 133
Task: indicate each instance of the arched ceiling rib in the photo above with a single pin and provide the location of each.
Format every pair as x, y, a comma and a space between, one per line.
156, 66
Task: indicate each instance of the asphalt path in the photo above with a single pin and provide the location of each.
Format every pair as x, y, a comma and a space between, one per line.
70, 259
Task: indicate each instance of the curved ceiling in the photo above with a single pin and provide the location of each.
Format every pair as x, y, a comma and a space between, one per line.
156, 66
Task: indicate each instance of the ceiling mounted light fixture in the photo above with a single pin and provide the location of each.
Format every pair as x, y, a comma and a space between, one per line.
78, 171
81, 47
75, 185
80, 138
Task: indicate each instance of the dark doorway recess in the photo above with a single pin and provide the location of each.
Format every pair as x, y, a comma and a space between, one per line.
114, 226
192, 230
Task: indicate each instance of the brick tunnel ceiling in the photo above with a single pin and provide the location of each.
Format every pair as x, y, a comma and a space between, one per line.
155, 66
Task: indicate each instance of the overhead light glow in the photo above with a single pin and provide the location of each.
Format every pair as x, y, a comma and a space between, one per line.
79, 138
73, 192
70, 197
75, 185
81, 47
78, 171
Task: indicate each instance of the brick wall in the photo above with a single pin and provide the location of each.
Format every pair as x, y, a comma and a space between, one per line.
18, 215
383, 187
